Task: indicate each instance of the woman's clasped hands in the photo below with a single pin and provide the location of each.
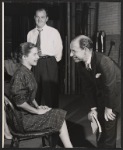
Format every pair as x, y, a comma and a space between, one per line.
43, 109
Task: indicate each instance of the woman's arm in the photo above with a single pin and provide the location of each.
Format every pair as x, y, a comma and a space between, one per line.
37, 106
28, 108
35, 103
20, 95
33, 110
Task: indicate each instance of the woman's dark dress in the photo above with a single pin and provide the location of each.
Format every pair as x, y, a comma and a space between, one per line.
23, 89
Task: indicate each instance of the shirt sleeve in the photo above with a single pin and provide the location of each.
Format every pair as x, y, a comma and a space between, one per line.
19, 92
58, 46
28, 37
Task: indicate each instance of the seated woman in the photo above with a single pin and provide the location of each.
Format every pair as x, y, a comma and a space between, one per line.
23, 89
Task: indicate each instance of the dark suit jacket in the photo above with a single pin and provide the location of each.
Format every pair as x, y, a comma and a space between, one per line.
105, 90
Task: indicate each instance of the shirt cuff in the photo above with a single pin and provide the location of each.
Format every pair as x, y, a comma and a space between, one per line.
94, 108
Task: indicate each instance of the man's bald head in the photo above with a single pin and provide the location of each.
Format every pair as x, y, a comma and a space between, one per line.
83, 41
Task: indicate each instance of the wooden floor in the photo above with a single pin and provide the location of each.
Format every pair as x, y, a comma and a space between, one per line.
77, 122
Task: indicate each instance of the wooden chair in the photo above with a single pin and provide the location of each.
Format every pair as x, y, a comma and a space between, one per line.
46, 135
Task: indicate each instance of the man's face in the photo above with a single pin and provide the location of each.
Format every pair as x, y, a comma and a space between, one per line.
77, 53
41, 18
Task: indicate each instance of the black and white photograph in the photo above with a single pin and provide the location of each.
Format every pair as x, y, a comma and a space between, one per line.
61, 74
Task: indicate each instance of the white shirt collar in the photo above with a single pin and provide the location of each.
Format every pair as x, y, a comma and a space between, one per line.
43, 27
88, 63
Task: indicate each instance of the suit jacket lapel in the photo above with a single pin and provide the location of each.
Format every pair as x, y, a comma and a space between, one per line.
93, 66
93, 63
85, 72
90, 74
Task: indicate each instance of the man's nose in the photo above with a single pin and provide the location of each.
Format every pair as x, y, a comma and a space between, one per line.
39, 18
71, 54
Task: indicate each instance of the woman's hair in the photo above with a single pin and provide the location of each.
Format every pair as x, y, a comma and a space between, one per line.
25, 49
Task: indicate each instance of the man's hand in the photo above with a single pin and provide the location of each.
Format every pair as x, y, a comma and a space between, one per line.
108, 114
91, 113
43, 111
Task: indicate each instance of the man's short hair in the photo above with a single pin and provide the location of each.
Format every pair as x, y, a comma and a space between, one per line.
42, 9
86, 42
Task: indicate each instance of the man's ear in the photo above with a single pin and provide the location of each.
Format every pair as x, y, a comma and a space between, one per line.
34, 17
47, 19
86, 49
23, 57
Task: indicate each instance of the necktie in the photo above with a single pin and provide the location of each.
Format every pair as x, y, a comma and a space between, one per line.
88, 67
38, 43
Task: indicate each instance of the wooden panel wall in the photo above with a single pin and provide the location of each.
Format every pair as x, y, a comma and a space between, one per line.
110, 21
110, 17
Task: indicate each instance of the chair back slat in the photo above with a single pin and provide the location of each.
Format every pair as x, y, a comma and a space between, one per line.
12, 117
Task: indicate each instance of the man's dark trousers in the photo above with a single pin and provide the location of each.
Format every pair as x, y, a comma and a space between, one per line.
46, 75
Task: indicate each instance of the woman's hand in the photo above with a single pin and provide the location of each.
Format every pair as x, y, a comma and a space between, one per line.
108, 114
43, 111
43, 107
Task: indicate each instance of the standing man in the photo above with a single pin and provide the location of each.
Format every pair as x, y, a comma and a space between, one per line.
49, 42
102, 79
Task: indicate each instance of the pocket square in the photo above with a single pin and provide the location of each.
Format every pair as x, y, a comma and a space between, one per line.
98, 75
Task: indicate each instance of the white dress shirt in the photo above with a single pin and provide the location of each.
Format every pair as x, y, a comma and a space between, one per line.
51, 43
88, 63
